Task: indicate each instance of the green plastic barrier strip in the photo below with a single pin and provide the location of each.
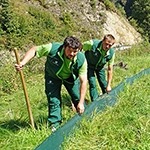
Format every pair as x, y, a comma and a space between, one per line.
54, 141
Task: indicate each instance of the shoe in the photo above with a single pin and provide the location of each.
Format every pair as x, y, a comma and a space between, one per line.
55, 126
53, 129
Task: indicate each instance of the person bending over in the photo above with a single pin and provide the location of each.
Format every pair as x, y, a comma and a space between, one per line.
66, 65
98, 53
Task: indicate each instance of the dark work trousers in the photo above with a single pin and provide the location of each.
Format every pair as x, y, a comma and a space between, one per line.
53, 92
101, 77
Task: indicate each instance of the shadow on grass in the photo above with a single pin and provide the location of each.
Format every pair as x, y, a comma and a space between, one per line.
40, 120
14, 125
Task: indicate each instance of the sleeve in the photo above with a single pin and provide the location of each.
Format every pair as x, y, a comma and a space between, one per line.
87, 45
43, 50
83, 69
111, 61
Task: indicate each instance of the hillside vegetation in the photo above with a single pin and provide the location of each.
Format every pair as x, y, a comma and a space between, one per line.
38, 22
132, 105
28, 22
137, 12
24, 23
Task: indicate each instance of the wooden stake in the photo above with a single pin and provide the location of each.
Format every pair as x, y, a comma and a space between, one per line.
25, 91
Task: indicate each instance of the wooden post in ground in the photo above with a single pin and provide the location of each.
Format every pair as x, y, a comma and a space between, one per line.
25, 90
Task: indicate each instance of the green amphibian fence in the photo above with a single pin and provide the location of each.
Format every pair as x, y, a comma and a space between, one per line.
54, 141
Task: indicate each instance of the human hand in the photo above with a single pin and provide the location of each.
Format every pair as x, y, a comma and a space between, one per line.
18, 67
80, 108
108, 88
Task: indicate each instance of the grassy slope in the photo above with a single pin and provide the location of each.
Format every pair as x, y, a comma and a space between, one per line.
125, 126
103, 131
14, 128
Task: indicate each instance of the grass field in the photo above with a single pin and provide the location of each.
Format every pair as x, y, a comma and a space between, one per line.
124, 126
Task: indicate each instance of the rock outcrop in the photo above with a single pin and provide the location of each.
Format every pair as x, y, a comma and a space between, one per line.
124, 33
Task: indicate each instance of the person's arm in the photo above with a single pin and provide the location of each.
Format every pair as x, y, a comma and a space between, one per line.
28, 56
110, 73
39, 51
87, 45
83, 87
109, 77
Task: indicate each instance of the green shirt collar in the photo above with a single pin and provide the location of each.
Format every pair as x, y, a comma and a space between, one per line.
103, 52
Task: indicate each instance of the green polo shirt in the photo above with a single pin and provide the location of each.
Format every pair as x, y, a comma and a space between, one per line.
65, 71
88, 46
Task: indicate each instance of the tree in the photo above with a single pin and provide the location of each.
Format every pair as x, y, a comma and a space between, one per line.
141, 13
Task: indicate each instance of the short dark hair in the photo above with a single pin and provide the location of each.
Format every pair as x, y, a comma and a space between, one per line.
72, 42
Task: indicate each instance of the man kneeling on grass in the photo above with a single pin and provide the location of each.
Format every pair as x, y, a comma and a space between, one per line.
65, 65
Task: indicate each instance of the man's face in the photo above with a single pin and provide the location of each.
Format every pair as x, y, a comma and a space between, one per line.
70, 53
107, 43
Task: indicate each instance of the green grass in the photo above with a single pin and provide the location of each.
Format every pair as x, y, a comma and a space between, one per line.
125, 126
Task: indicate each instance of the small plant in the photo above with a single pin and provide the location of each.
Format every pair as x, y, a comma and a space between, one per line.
93, 3
67, 19
109, 5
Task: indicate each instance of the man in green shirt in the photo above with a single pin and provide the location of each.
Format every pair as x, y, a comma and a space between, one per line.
98, 53
65, 65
